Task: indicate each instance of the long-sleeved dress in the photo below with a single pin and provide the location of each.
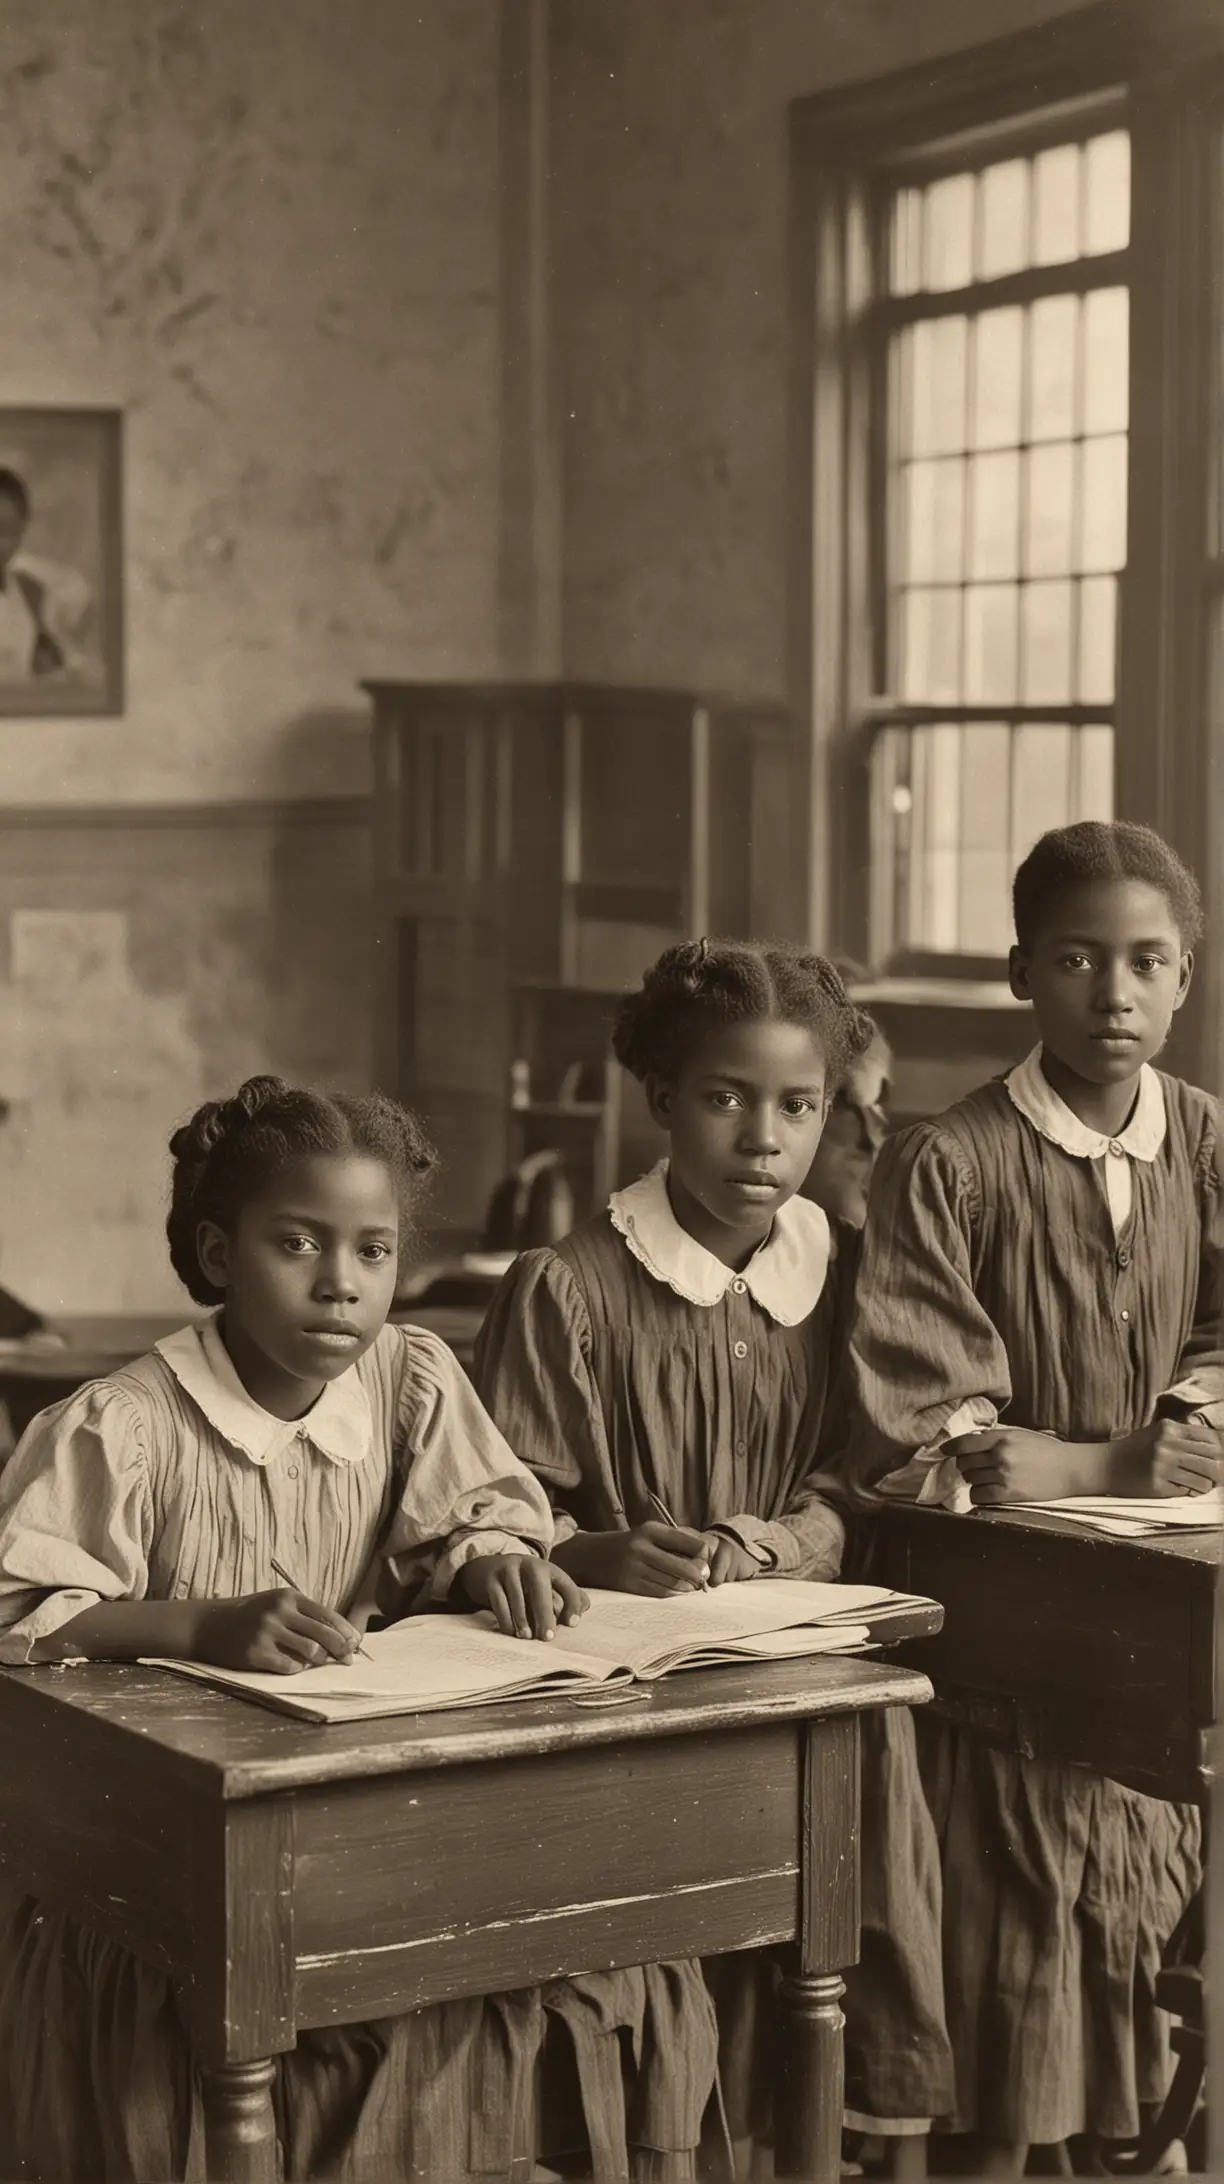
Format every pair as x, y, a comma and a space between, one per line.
165, 1481
1016, 1266
628, 1363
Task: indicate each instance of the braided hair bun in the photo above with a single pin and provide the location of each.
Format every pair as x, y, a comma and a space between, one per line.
231, 1150
702, 984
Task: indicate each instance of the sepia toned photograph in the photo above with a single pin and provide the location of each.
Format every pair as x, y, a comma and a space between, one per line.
611, 1046
61, 570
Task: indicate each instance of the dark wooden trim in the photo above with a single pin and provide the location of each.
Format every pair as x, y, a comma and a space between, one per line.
882, 117
1090, 51
1111, 269
576, 696
1026, 134
883, 714
1165, 729
255, 812
529, 555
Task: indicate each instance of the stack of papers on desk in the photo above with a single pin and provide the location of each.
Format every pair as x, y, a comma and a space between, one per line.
430, 1662
1137, 1519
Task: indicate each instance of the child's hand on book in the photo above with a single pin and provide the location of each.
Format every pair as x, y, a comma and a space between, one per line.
527, 1597
1172, 1456
273, 1633
730, 1564
1008, 1464
654, 1559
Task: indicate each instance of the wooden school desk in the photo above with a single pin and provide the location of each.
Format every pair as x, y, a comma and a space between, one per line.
1063, 1643
289, 1877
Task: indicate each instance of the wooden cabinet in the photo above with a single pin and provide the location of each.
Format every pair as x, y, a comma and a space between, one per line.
554, 835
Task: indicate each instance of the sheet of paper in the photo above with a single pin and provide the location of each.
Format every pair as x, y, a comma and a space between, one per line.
1193, 1512
801, 1642
626, 1630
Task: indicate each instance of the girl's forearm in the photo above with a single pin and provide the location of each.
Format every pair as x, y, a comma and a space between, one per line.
573, 1555
127, 1630
1091, 1468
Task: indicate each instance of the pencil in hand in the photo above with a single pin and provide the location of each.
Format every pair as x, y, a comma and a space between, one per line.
279, 1570
665, 1516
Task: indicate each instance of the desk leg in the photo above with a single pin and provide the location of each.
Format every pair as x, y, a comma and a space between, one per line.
811, 2060
811, 2079
239, 2126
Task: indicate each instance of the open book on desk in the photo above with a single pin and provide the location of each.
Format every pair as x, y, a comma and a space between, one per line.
428, 1663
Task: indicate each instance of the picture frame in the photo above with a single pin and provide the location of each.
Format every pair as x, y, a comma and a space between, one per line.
61, 561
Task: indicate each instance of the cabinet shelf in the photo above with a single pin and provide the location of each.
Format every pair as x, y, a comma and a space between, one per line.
553, 838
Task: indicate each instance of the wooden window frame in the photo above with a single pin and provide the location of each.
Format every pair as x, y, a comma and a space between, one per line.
1165, 60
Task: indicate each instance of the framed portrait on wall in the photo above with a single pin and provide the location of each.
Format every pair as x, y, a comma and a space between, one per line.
61, 562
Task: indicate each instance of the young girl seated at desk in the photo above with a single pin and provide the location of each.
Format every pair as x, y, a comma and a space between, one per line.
244, 1495
1041, 1269
668, 1370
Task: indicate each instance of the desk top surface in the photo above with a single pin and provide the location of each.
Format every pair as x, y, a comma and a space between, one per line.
1158, 1551
232, 1749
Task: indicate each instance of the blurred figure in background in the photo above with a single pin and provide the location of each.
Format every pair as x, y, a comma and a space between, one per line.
840, 1175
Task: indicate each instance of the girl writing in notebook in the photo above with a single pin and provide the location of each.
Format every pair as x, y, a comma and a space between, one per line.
1039, 1316
668, 1370
241, 1496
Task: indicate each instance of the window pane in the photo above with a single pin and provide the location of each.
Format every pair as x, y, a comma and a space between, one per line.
1056, 205
1050, 510
985, 880
937, 387
990, 643
997, 378
1107, 193
1052, 336
949, 233
906, 274
1095, 792
930, 646
1045, 616
1104, 510
1003, 219
935, 521
1041, 783
935, 873
1106, 360
994, 534
1098, 611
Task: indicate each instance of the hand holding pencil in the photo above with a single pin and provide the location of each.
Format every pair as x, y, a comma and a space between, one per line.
356, 1644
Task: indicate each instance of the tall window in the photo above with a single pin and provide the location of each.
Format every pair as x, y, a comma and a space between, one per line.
1009, 402
1001, 375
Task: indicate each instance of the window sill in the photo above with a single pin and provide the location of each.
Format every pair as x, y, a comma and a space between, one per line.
937, 993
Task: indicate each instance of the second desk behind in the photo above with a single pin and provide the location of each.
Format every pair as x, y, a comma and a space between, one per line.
1065, 1644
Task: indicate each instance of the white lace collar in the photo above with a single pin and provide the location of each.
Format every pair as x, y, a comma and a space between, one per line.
1031, 1091
785, 1276
340, 1425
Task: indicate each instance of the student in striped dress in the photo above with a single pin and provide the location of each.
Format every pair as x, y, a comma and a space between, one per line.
1039, 1315
150, 1513
670, 1370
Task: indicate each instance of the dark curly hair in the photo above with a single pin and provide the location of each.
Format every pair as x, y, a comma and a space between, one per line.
701, 984
1098, 849
231, 1149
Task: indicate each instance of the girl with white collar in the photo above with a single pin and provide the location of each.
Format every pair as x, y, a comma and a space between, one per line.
244, 1495
1039, 1315
670, 1370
